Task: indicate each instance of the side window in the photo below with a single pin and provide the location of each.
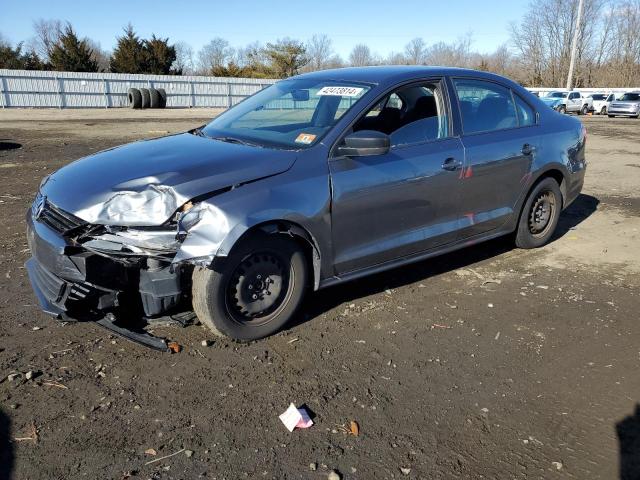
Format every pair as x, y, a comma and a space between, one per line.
526, 115
573, 96
485, 106
410, 115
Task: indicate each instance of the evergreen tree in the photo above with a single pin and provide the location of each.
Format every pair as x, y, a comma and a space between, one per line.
11, 57
70, 54
286, 57
129, 55
31, 61
159, 56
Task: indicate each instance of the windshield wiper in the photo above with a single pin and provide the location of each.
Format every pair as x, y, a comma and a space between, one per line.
236, 140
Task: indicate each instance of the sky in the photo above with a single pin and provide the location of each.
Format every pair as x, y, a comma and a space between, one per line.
383, 25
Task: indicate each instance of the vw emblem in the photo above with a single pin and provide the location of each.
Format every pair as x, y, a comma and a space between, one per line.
38, 206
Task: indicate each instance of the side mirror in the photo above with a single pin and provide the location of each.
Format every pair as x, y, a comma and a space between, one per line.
364, 143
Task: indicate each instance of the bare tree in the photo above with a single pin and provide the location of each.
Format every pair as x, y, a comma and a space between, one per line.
46, 34
184, 59
98, 55
216, 53
319, 51
416, 51
361, 56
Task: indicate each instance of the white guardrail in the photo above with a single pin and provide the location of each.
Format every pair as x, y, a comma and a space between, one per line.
43, 89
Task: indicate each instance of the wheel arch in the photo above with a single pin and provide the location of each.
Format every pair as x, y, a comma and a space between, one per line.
281, 227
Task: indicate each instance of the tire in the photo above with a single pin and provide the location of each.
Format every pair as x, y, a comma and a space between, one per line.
539, 215
584, 110
146, 97
562, 109
603, 110
223, 298
163, 97
154, 98
134, 97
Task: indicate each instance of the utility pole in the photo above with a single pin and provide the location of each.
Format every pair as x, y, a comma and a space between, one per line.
574, 45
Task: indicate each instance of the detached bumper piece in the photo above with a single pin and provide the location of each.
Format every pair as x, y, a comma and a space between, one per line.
74, 284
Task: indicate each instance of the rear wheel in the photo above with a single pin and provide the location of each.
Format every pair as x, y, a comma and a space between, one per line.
603, 111
256, 291
540, 214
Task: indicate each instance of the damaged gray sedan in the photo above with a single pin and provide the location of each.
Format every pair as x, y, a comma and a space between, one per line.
318, 179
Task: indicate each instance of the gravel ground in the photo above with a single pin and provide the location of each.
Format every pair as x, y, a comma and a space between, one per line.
490, 362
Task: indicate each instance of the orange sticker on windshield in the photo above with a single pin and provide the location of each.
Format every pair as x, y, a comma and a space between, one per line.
305, 138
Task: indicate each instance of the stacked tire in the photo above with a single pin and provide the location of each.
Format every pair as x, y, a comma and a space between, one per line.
147, 98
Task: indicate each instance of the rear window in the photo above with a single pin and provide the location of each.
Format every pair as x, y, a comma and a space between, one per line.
485, 106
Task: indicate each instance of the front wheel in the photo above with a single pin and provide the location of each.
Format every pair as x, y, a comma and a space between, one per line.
256, 291
584, 110
540, 214
562, 109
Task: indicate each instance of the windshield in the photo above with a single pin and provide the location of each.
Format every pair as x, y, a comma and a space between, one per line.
630, 97
289, 114
557, 95
598, 96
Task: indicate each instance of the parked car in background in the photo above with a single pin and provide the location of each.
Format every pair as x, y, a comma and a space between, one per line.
569, 102
628, 105
601, 102
316, 180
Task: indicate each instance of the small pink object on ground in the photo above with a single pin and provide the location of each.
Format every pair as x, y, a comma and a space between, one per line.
296, 418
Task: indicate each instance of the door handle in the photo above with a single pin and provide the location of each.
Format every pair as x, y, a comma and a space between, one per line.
451, 164
528, 149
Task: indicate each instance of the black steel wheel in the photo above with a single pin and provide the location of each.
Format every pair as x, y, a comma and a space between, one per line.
258, 288
256, 291
539, 215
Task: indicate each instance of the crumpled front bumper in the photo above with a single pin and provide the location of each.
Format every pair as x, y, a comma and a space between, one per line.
74, 284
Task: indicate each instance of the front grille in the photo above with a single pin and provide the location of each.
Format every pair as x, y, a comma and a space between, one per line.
57, 219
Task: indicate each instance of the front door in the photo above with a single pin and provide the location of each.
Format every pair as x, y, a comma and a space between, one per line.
406, 201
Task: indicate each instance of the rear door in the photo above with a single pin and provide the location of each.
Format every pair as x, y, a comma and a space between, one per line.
500, 140
389, 206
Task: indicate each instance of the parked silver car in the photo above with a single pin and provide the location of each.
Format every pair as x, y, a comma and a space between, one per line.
628, 105
319, 179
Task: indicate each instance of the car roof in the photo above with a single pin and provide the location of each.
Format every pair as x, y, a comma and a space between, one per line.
393, 73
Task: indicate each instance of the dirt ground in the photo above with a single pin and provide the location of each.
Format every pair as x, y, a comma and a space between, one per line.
490, 362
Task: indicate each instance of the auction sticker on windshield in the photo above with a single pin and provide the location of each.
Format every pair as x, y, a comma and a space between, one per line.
305, 138
340, 91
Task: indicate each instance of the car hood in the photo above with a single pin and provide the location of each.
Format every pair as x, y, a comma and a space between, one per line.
145, 182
